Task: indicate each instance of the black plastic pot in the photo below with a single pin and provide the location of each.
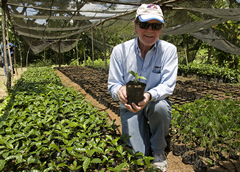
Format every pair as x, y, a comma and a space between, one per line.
135, 92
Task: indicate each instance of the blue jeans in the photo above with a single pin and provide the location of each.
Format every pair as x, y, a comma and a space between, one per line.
147, 127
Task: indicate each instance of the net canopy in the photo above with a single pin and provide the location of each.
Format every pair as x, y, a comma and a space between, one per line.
58, 24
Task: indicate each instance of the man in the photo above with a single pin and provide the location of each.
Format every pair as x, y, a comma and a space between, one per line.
147, 123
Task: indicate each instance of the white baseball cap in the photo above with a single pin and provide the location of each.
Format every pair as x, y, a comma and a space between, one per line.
148, 12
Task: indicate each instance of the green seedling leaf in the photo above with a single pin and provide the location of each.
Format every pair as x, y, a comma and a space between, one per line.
61, 165
53, 145
69, 149
19, 158
31, 160
96, 161
86, 164
2, 164
120, 149
75, 164
109, 149
121, 166
135, 75
73, 124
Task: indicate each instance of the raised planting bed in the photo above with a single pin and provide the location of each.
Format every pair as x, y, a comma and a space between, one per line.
206, 152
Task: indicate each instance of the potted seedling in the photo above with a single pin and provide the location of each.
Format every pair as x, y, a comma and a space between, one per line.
135, 89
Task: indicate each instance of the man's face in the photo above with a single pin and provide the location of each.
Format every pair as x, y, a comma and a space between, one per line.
148, 37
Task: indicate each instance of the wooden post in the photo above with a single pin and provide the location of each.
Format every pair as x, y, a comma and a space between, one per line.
77, 54
44, 55
59, 54
84, 55
92, 46
185, 46
104, 47
14, 58
27, 57
20, 52
8, 48
209, 54
9, 81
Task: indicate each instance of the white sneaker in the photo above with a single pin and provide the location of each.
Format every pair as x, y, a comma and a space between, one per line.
160, 161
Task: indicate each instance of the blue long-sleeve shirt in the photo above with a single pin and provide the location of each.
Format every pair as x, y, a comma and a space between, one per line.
159, 68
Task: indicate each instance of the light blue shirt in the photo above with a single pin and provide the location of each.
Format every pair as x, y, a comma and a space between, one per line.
159, 68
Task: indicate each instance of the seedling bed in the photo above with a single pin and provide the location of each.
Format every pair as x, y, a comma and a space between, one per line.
94, 81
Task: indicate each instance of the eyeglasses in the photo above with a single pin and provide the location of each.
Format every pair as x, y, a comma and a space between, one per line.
145, 25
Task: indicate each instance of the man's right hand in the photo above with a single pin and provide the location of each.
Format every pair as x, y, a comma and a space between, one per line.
122, 95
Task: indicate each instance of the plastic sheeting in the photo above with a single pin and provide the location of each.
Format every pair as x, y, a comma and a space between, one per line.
212, 37
58, 24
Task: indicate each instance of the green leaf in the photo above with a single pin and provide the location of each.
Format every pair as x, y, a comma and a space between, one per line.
75, 164
2, 164
73, 124
19, 158
120, 167
86, 164
96, 161
33, 160
61, 165
109, 149
120, 149
53, 145
80, 149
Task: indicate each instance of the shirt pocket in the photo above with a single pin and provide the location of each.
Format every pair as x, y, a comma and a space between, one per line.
157, 69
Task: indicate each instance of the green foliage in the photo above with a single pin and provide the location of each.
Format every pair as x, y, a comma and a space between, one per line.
43, 63
45, 126
97, 63
136, 77
74, 62
210, 70
208, 122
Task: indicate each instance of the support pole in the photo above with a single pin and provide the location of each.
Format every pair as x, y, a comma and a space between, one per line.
185, 46
59, 54
104, 47
84, 54
14, 58
77, 55
92, 46
9, 81
8, 48
20, 52
27, 57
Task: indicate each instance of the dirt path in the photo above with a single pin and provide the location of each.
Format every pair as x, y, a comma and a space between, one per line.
3, 79
175, 162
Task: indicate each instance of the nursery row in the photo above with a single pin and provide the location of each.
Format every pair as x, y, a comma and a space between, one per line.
47, 127
204, 127
204, 72
210, 73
